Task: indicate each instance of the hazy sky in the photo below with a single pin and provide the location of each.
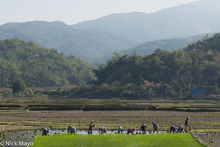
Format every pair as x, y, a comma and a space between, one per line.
73, 11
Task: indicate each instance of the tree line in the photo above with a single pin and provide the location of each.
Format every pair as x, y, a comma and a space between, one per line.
168, 74
161, 74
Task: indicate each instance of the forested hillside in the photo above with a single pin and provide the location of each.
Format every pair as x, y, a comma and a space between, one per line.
95, 41
39, 66
92, 46
166, 44
161, 74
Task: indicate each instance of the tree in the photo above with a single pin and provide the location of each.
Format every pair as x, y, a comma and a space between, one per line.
18, 86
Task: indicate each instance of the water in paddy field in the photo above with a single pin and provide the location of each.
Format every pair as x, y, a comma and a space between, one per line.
95, 132
30, 134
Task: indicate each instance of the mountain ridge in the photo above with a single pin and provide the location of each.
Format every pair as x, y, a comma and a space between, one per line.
95, 41
166, 44
195, 18
96, 44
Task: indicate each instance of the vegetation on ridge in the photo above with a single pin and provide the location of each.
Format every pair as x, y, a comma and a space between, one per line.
161, 74
38, 66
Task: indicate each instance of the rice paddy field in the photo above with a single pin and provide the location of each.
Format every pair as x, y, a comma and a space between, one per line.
34, 120
21, 123
115, 140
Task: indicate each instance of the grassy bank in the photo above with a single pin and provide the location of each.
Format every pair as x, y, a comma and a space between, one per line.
155, 140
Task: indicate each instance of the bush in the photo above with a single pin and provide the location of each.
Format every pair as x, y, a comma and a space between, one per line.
18, 86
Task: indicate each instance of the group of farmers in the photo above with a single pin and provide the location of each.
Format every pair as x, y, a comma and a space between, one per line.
143, 128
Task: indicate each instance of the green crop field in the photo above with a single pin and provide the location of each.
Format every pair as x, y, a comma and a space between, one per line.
115, 140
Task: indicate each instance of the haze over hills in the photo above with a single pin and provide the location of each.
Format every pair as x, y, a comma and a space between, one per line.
166, 44
186, 20
91, 45
95, 41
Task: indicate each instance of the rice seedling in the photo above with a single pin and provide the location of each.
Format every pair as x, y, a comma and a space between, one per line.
116, 140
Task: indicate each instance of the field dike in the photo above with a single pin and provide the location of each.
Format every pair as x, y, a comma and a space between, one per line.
199, 140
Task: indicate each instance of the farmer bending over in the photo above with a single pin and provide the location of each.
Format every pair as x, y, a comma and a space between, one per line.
131, 131
155, 127
143, 129
91, 126
71, 130
180, 129
102, 130
120, 129
45, 131
173, 129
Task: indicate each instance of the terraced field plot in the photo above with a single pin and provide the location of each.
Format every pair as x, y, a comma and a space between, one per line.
23, 120
154, 140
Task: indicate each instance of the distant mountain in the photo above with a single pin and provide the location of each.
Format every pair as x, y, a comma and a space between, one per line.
95, 41
92, 46
166, 44
191, 19
39, 66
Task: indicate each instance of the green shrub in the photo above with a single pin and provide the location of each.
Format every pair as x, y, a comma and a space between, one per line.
18, 86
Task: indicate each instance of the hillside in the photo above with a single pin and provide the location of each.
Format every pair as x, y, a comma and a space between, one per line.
166, 44
39, 66
95, 41
191, 19
90, 45
161, 74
